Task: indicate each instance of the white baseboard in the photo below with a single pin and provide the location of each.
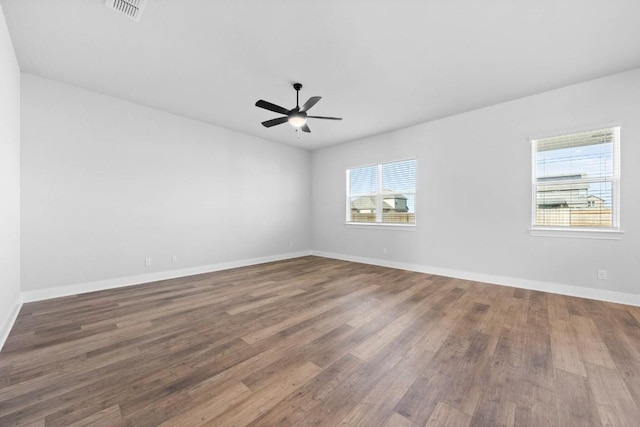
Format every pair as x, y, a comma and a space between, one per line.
80, 288
555, 288
7, 324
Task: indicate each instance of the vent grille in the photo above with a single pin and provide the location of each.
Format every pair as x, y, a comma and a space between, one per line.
130, 8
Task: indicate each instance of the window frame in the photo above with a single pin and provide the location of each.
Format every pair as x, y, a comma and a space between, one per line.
379, 195
612, 233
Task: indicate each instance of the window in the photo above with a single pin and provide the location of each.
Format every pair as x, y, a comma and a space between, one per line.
382, 194
576, 181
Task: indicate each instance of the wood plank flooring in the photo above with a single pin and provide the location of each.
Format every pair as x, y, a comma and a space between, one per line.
315, 341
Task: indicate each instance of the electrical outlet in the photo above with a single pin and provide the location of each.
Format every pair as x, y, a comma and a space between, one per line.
602, 274
174, 258
291, 244
385, 251
147, 262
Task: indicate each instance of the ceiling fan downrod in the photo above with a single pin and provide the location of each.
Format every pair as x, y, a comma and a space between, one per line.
297, 87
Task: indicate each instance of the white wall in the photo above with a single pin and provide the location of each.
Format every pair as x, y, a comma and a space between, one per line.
107, 183
474, 191
9, 181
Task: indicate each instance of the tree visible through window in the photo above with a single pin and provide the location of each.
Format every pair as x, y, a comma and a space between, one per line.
576, 180
383, 193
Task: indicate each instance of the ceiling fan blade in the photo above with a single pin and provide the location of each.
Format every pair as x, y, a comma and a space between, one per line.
305, 128
271, 107
310, 103
327, 118
274, 122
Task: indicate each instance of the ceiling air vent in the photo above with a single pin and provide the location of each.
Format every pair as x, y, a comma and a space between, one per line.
131, 8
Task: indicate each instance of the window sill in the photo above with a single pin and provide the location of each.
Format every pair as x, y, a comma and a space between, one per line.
381, 226
577, 234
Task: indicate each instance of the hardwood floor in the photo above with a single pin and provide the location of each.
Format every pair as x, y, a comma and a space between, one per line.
314, 341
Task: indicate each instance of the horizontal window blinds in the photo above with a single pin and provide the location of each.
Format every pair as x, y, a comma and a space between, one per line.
399, 177
364, 180
576, 179
384, 193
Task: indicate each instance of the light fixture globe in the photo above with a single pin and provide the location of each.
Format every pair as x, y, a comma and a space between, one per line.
297, 119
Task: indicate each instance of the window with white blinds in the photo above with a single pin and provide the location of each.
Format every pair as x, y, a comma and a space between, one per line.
382, 194
576, 180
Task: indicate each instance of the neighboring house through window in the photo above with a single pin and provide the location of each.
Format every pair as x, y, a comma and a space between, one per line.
576, 180
382, 194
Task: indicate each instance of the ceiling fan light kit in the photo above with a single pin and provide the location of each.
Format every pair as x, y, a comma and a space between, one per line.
297, 117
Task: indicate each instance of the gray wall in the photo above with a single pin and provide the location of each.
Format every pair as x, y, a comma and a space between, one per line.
9, 181
107, 183
474, 191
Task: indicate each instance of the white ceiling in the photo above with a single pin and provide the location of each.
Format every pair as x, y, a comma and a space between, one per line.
381, 65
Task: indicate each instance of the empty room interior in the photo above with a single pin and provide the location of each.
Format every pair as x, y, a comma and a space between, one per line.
364, 213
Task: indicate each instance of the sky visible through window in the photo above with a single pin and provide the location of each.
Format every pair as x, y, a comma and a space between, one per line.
364, 180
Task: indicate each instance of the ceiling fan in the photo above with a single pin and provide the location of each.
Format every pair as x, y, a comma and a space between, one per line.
297, 117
